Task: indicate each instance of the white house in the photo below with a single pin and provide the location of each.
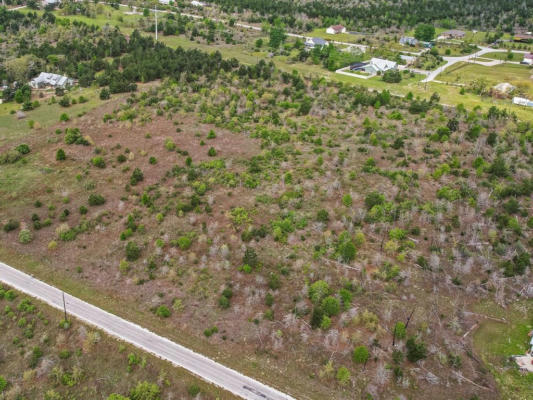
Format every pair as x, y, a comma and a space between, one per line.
528, 59
377, 65
196, 3
521, 101
46, 79
166, 2
335, 29
50, 2
311, 43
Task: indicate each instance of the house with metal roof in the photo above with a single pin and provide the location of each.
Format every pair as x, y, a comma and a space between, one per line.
311, 43
336, 29
408, 41
46, 79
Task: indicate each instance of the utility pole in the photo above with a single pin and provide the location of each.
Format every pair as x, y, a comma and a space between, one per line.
65, 307
156, 23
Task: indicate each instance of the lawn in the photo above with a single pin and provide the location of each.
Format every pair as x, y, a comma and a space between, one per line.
45, 115
500, 55
496, 341
518, 75
341, 37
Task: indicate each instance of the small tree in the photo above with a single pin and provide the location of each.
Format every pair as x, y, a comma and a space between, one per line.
133, 251
343, 376
136, 177
162, 311
415, 351
60, 155
331, 306
360, 354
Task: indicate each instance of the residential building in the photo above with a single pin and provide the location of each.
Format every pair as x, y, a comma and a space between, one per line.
166, 2
51, 2
453, 34
311, 43
521, 101
408, 41
46, 79
198, 3
374, 66
336, 29
523, 37
528, 59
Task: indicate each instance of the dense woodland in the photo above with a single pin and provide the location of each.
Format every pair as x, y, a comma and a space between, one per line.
379, 14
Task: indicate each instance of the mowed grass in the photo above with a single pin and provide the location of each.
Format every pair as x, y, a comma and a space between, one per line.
495, 342
340, 37
502, 55
13, 129
518, 75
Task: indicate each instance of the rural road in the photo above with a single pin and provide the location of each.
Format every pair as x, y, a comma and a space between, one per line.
468, 58
199, 365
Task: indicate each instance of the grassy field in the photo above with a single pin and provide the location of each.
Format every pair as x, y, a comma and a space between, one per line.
78, 360
498, 55
341, 37
12, 128
496, 342
518, 75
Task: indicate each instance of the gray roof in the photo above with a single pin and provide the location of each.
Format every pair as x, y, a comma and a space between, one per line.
48, 79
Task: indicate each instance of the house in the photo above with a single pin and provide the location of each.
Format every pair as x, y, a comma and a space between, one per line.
46, 79
528, 59
51, 2
521, 101
358, 66
195, 3
335, 29
311, 43
453, 34
407, 59
374, 66
165, 2
408, 41
523, 37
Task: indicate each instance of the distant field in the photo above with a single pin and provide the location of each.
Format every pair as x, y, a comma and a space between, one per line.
503, 56
512, 73
496, 341
341, 37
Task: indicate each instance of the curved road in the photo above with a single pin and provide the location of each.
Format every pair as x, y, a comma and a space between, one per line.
468, 58
199, 365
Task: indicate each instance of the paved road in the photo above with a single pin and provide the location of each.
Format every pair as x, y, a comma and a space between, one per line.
468, 58
204, 367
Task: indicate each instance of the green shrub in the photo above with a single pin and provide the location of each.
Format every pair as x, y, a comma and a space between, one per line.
360, 355
343, 376
133, 251
23, 148
184, 242
193, 390
347, 251
3, 384
60, 155
98, 162
162, 311
415, 351
330, 306
11, 225
318, 290
374, 199
25, 236
399, 330
105, 94
145, 391
136, 177
347, 200
96, 199
211, 152
322, 216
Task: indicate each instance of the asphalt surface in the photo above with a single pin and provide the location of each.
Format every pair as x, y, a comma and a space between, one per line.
204, 367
